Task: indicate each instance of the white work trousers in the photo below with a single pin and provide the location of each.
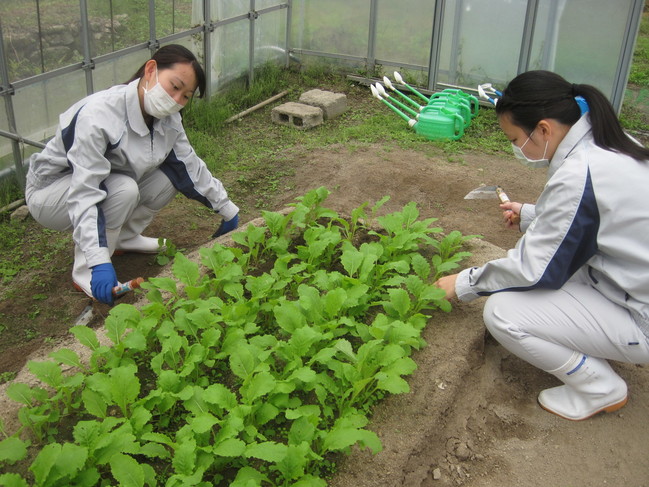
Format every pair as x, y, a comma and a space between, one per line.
544, 327
129, 205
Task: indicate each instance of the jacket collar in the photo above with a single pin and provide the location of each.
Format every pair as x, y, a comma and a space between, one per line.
580, 130
133, 110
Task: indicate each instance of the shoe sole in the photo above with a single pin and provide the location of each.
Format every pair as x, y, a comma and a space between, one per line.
80, 289
606, 409
136, 251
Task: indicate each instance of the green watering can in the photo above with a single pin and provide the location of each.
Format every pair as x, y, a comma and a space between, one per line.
440, 123
473, 102
451, 103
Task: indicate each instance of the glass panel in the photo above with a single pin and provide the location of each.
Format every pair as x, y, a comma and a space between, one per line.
40, 36
230, 49
172, 16
117, 71
6, 155
44, 102
4, 123
261, 4
335, 26
270, 37
225, 9
404, 38
474, 51
568, 39
115, 25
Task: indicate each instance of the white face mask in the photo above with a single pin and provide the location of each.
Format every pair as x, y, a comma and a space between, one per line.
526, 161
157, 102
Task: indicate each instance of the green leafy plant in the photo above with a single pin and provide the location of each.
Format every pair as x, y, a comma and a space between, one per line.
254, 367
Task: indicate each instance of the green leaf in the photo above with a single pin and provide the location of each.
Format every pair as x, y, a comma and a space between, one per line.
231, 447
421, 266
120, 440
135, 340
47, 372
247, 477
302, 430
351, 259
154, 450
341, 438
293, 464
94, 403
86, 336
259, 385
184, 460
185, 270
115, 328
12, 480
126, 470
66, 356
242, 362
124, 386
310, 481
13, 449
304, 374
400, 300
220, 396
71, 459
202, 422
267, 450
44, 461
289, 316
164, 283
392, 383
22, 393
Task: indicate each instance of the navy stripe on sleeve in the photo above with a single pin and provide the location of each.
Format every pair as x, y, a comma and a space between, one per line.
579, 245
177, 173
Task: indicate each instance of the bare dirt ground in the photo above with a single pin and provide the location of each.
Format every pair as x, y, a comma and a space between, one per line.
471, 417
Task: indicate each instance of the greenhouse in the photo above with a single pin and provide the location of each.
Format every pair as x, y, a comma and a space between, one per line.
54, 52
311, 243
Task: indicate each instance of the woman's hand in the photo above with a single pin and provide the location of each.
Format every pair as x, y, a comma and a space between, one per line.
447, 283
512, 213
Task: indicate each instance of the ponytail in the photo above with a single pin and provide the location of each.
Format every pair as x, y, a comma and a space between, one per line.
536, 95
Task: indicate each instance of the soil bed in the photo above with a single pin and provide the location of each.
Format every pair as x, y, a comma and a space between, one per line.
471, 417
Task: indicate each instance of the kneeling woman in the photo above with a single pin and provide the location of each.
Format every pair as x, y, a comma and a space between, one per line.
575, 289
119, 156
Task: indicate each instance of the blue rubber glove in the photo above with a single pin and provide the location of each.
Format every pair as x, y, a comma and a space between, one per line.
227, 226
102, 281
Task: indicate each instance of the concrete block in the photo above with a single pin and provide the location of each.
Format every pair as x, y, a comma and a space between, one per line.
297, 115
332, 104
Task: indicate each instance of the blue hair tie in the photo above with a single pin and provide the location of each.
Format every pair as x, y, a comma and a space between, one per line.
582, 103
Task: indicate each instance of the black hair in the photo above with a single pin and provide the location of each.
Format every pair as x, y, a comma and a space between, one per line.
535, 95
171, 54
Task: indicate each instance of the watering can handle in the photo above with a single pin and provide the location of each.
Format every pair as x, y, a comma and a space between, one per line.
474, 103
459, 122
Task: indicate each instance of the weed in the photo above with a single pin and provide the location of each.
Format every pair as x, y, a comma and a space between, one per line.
7, 377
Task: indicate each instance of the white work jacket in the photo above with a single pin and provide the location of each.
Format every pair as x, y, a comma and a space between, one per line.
592, 215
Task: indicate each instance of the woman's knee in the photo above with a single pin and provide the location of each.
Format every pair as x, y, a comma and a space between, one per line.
499, 313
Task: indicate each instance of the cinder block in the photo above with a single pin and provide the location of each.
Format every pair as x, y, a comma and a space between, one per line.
332, 104
297, 115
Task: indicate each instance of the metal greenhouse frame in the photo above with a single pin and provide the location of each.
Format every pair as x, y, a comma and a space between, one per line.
441, 59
